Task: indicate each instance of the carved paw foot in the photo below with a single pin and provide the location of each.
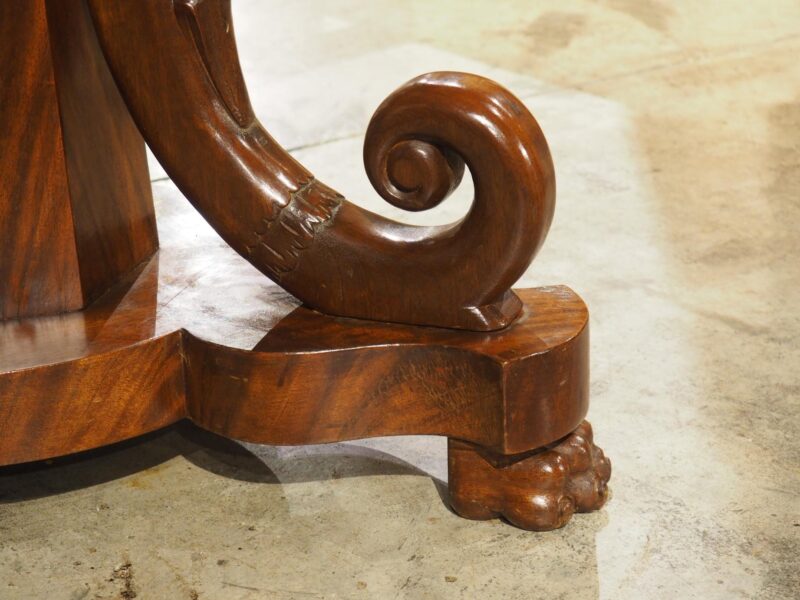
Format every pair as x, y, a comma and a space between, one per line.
537, 490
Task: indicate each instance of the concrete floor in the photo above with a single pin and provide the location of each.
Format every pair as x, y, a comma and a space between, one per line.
675, 129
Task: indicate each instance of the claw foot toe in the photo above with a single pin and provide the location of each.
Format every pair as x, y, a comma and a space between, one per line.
538, 490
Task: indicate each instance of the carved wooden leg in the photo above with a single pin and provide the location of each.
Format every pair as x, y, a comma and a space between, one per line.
177, 67
538, 490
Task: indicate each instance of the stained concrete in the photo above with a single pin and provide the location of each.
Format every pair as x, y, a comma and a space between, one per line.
675, 128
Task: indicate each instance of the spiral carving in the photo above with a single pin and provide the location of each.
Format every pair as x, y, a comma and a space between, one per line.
410, 174
333, 255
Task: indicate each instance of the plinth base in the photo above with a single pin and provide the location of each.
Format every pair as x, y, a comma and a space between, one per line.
149, 353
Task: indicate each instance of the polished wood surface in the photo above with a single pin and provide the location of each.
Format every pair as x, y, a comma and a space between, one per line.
110, 194
177, 67
195, 331
537, 490
34, 191
406, 379
131, 362
141, 358
76, 210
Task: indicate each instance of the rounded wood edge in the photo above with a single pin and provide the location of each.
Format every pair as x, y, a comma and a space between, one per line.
185, 89
538, 490
502, 391
89, 402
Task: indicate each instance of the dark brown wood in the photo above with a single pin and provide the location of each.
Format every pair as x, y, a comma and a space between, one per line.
76, 210
311, 378
34, 192
537, 490
316, 378
177, 67
125, 366
110, 194
442, 345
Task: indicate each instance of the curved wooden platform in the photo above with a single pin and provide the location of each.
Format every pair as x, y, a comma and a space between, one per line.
160, 348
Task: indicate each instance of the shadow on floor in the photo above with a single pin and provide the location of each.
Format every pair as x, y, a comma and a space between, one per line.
206, 450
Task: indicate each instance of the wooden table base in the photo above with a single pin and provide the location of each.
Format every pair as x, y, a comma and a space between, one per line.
430, 339
128, 364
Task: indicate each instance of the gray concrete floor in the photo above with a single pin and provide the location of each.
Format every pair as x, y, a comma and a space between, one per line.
675, 127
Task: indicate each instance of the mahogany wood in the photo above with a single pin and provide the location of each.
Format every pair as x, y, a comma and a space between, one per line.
110, 194
400, 379
34, 192
196, 332
538, 490
185, 90
76, 210
127, 365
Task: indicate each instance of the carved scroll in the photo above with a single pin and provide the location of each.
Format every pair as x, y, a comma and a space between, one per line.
188, 97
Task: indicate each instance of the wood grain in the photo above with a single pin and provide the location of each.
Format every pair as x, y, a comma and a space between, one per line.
538, 490
90, 402
110, 194
177, 67
441, 344
505, 391
38, 263
76, 209
533, 390
111, 371
265, 371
